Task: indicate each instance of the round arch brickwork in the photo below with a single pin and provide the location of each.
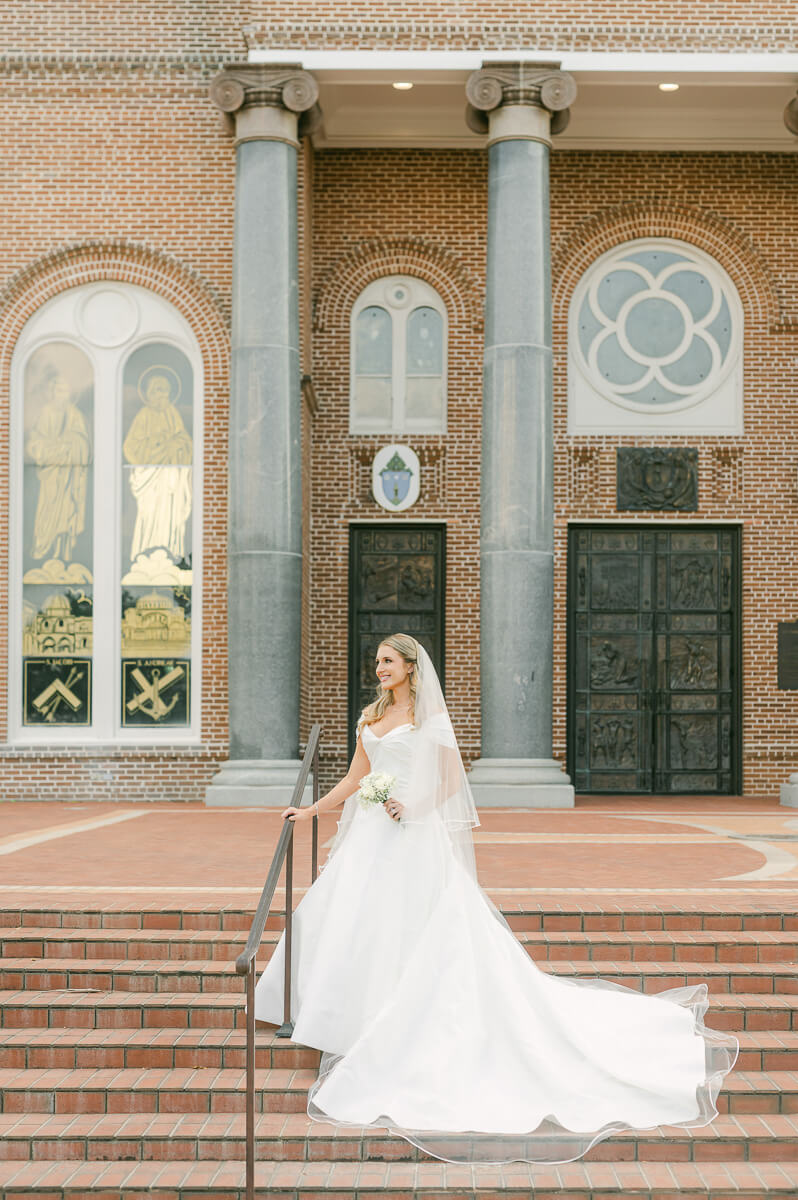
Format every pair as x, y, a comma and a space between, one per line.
719, 238
124, 262
436, 265
182, 771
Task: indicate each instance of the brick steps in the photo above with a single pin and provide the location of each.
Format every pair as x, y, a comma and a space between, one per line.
121, 1010
179, 1180
283, 1136
200, 977
195, 946
166, 1048
225, 1010
224, 1049
39, 974
182, 1090
522, 912
122, 1061
760, 978
278, 1090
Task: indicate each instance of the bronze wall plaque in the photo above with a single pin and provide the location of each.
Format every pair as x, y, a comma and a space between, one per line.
657, 479
788, 656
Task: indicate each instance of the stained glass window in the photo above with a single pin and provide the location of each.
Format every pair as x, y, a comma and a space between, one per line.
156, 536
105, 383
398, 358
57, 543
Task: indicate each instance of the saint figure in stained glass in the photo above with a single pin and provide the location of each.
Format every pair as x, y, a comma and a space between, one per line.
59, 445
160, 450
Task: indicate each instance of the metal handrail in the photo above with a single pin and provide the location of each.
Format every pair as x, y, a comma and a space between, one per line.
245, 963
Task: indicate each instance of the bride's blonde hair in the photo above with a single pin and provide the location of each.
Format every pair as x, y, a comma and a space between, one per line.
407, 646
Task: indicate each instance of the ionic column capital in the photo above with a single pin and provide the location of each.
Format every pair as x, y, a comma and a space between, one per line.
791, 116
519, 100
268, 102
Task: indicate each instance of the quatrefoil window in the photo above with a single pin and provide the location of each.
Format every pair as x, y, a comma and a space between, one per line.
655, 326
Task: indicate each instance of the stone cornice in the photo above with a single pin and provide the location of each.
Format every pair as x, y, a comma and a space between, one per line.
548, 31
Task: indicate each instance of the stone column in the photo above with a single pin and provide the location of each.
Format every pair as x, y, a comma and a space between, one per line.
262, 105
519, 106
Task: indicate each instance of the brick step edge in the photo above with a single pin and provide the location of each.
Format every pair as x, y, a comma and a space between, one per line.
224, 1049
179, 1180
143, 1010
165, 1101
216, 1136
199, 977
274, 1079
212, 946
226, 966
602, 915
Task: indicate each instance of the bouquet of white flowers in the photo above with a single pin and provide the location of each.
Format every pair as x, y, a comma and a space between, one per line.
375, 788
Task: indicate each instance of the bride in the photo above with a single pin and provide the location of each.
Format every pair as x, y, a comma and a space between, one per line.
433, 1021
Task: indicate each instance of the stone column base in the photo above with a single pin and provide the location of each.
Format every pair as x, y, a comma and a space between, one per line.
256, 783
520, 783
789, 792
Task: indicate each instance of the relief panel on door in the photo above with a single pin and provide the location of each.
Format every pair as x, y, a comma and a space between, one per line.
652, 638
396, 585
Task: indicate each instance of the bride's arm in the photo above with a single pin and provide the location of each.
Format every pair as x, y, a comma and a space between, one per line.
342, 790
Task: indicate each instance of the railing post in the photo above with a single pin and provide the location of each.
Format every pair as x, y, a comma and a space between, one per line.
287, 1027
314, 852
246, 961
250, 1175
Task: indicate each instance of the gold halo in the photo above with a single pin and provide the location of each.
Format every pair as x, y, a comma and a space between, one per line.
140, 387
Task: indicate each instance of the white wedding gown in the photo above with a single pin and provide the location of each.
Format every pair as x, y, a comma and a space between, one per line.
437, 1025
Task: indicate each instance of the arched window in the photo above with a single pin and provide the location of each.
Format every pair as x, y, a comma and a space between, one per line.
655, 343
398, 358
105, 448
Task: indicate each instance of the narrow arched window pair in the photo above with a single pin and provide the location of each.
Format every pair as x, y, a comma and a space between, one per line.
106, 406
398, 358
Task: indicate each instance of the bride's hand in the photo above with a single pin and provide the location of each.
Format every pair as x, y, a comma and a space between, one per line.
393, 808
297, 814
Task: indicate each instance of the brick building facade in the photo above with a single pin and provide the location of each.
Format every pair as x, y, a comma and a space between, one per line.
124, 178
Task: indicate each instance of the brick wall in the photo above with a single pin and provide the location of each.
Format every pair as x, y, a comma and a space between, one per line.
735, 207
216, 28
429, 207
378, 213
121, 170
123, 174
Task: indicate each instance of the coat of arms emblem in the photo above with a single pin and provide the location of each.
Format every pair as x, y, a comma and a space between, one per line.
395, 476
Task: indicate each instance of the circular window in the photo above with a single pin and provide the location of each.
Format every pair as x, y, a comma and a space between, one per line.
655, 325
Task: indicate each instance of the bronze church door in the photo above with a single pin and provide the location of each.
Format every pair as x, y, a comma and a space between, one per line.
396, 585
654, 659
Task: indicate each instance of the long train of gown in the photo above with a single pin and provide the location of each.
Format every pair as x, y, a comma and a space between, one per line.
436, 1025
